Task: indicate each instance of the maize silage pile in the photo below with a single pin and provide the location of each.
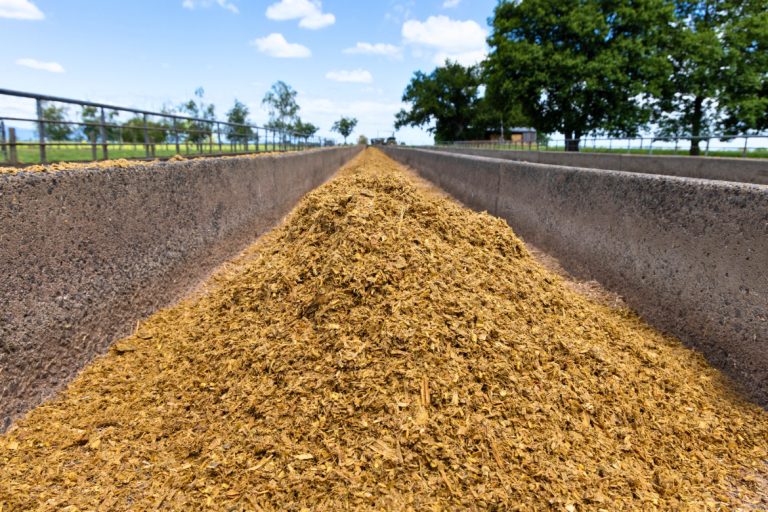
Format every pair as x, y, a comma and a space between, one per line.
390, 351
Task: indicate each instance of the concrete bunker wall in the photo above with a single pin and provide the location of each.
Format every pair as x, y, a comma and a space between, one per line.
740, 170
85, 254
691, 256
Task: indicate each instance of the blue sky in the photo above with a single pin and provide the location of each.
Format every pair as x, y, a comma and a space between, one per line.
344, 57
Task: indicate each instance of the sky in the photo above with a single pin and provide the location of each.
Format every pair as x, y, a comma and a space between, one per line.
345, 58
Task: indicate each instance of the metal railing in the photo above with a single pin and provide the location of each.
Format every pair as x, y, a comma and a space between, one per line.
738, 145
208, 137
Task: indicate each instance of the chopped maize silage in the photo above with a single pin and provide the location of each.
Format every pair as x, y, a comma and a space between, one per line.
119, 163
390, 351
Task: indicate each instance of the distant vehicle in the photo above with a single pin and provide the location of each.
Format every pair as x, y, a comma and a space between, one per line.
384, 141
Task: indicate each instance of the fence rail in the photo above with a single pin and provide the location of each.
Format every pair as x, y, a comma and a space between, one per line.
737, 145
205, 136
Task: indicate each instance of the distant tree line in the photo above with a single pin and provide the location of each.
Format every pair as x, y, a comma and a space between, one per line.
605, 67
280, 102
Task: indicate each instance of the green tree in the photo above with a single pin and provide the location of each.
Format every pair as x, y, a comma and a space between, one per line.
362, 140
157, 131
579, 66
282, 106
688, 104
345, 126
448, 102
304, 130
93, 115
202, 130
55, 131
238, 114
745, 91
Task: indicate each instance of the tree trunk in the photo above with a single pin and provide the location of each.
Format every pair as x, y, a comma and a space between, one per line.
572, 141
698, 114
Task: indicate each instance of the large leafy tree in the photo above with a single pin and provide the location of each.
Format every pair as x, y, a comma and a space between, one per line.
689, 100
579, 66
448, 102
744, 97
345, 126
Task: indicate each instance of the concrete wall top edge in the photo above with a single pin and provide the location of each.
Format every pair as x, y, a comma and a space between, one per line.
26, 176
621, 175
736, 170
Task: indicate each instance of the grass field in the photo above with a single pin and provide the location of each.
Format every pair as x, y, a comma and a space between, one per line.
76, 152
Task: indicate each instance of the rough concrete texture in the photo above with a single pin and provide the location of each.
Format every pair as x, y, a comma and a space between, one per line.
739, 170
691, 256
85, 254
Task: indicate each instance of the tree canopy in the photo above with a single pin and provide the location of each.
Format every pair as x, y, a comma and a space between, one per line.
744, 96
448, 102
345, 126
93, 115
238, 114
198, 131
56, 131
306, 130
579, 66
282, 106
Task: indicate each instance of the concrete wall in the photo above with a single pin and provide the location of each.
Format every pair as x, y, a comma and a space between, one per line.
87, 253
691, 256
740, 170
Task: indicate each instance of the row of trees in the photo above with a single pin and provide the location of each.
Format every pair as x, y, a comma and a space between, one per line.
607, 67
283, 114
280, 101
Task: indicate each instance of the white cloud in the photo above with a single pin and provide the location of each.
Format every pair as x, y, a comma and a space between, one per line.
360, 76
20, 10
53, 67
193, 4
458, 40
309, 11
450, 3
386, 50
275, 45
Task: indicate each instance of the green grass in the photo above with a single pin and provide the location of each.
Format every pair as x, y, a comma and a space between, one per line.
74, 152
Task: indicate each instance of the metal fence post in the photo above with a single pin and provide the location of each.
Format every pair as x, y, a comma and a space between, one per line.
675, 146
247, 134
3, 147
706, 153
176, 135
94, 154
744, 153
218, 131
146, 137
12, 155
104, 135
650, 148
41, 130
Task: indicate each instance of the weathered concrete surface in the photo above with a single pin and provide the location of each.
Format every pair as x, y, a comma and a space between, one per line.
739, 170
691, 256
87, 253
